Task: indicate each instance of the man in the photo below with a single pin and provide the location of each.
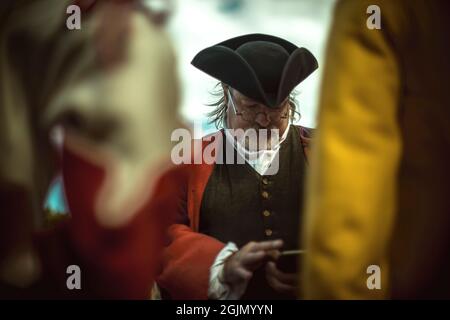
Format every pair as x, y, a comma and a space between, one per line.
109, 92
380, 174
237, 216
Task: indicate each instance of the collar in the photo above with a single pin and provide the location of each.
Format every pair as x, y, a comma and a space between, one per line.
259, 160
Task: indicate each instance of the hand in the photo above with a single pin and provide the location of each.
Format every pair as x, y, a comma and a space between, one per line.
239, 267
279, 281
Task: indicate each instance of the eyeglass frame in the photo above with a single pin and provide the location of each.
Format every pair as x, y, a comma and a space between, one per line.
230, 97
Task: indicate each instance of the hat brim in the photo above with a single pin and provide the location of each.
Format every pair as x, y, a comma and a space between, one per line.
223, 63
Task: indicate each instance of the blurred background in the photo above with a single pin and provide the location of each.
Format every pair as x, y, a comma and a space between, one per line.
197, 24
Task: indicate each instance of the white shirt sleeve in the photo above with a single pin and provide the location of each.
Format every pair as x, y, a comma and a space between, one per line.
218, 289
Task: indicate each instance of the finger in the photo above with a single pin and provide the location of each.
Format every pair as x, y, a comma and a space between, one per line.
267, 245
273, 254
253, 258
243, 273
286, 278
280, 287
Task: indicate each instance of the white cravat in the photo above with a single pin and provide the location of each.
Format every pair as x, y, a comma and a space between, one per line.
259, 160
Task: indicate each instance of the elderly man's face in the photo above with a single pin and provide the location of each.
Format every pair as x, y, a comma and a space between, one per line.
249, 114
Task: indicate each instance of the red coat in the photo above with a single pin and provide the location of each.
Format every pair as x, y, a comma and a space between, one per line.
189, 254
115, 263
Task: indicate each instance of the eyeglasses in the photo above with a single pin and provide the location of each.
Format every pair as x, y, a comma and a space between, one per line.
249, 113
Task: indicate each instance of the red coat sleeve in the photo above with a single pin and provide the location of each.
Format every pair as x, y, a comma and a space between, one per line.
189, 255
186, 263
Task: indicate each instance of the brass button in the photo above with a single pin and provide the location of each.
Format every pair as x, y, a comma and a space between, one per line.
265, 181
266, 213
265, 194
268, 232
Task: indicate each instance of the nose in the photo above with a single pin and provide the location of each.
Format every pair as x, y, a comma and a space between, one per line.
262, 118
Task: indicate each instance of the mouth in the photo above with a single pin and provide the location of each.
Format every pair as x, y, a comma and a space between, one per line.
268, 128
265, 140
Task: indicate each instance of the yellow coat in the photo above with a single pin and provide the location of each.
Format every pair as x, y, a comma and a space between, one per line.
380, 169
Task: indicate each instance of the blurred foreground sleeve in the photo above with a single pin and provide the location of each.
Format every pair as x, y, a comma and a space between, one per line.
352, 183
112, 88
118, 117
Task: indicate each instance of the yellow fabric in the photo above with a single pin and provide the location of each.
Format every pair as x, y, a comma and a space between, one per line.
356, 154
376, 189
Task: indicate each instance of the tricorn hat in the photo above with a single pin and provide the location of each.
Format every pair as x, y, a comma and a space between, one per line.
262, 67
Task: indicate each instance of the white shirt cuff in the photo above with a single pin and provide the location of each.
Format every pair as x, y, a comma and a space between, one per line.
218, 289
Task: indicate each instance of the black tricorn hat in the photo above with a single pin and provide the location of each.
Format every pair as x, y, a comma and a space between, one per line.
262, 67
